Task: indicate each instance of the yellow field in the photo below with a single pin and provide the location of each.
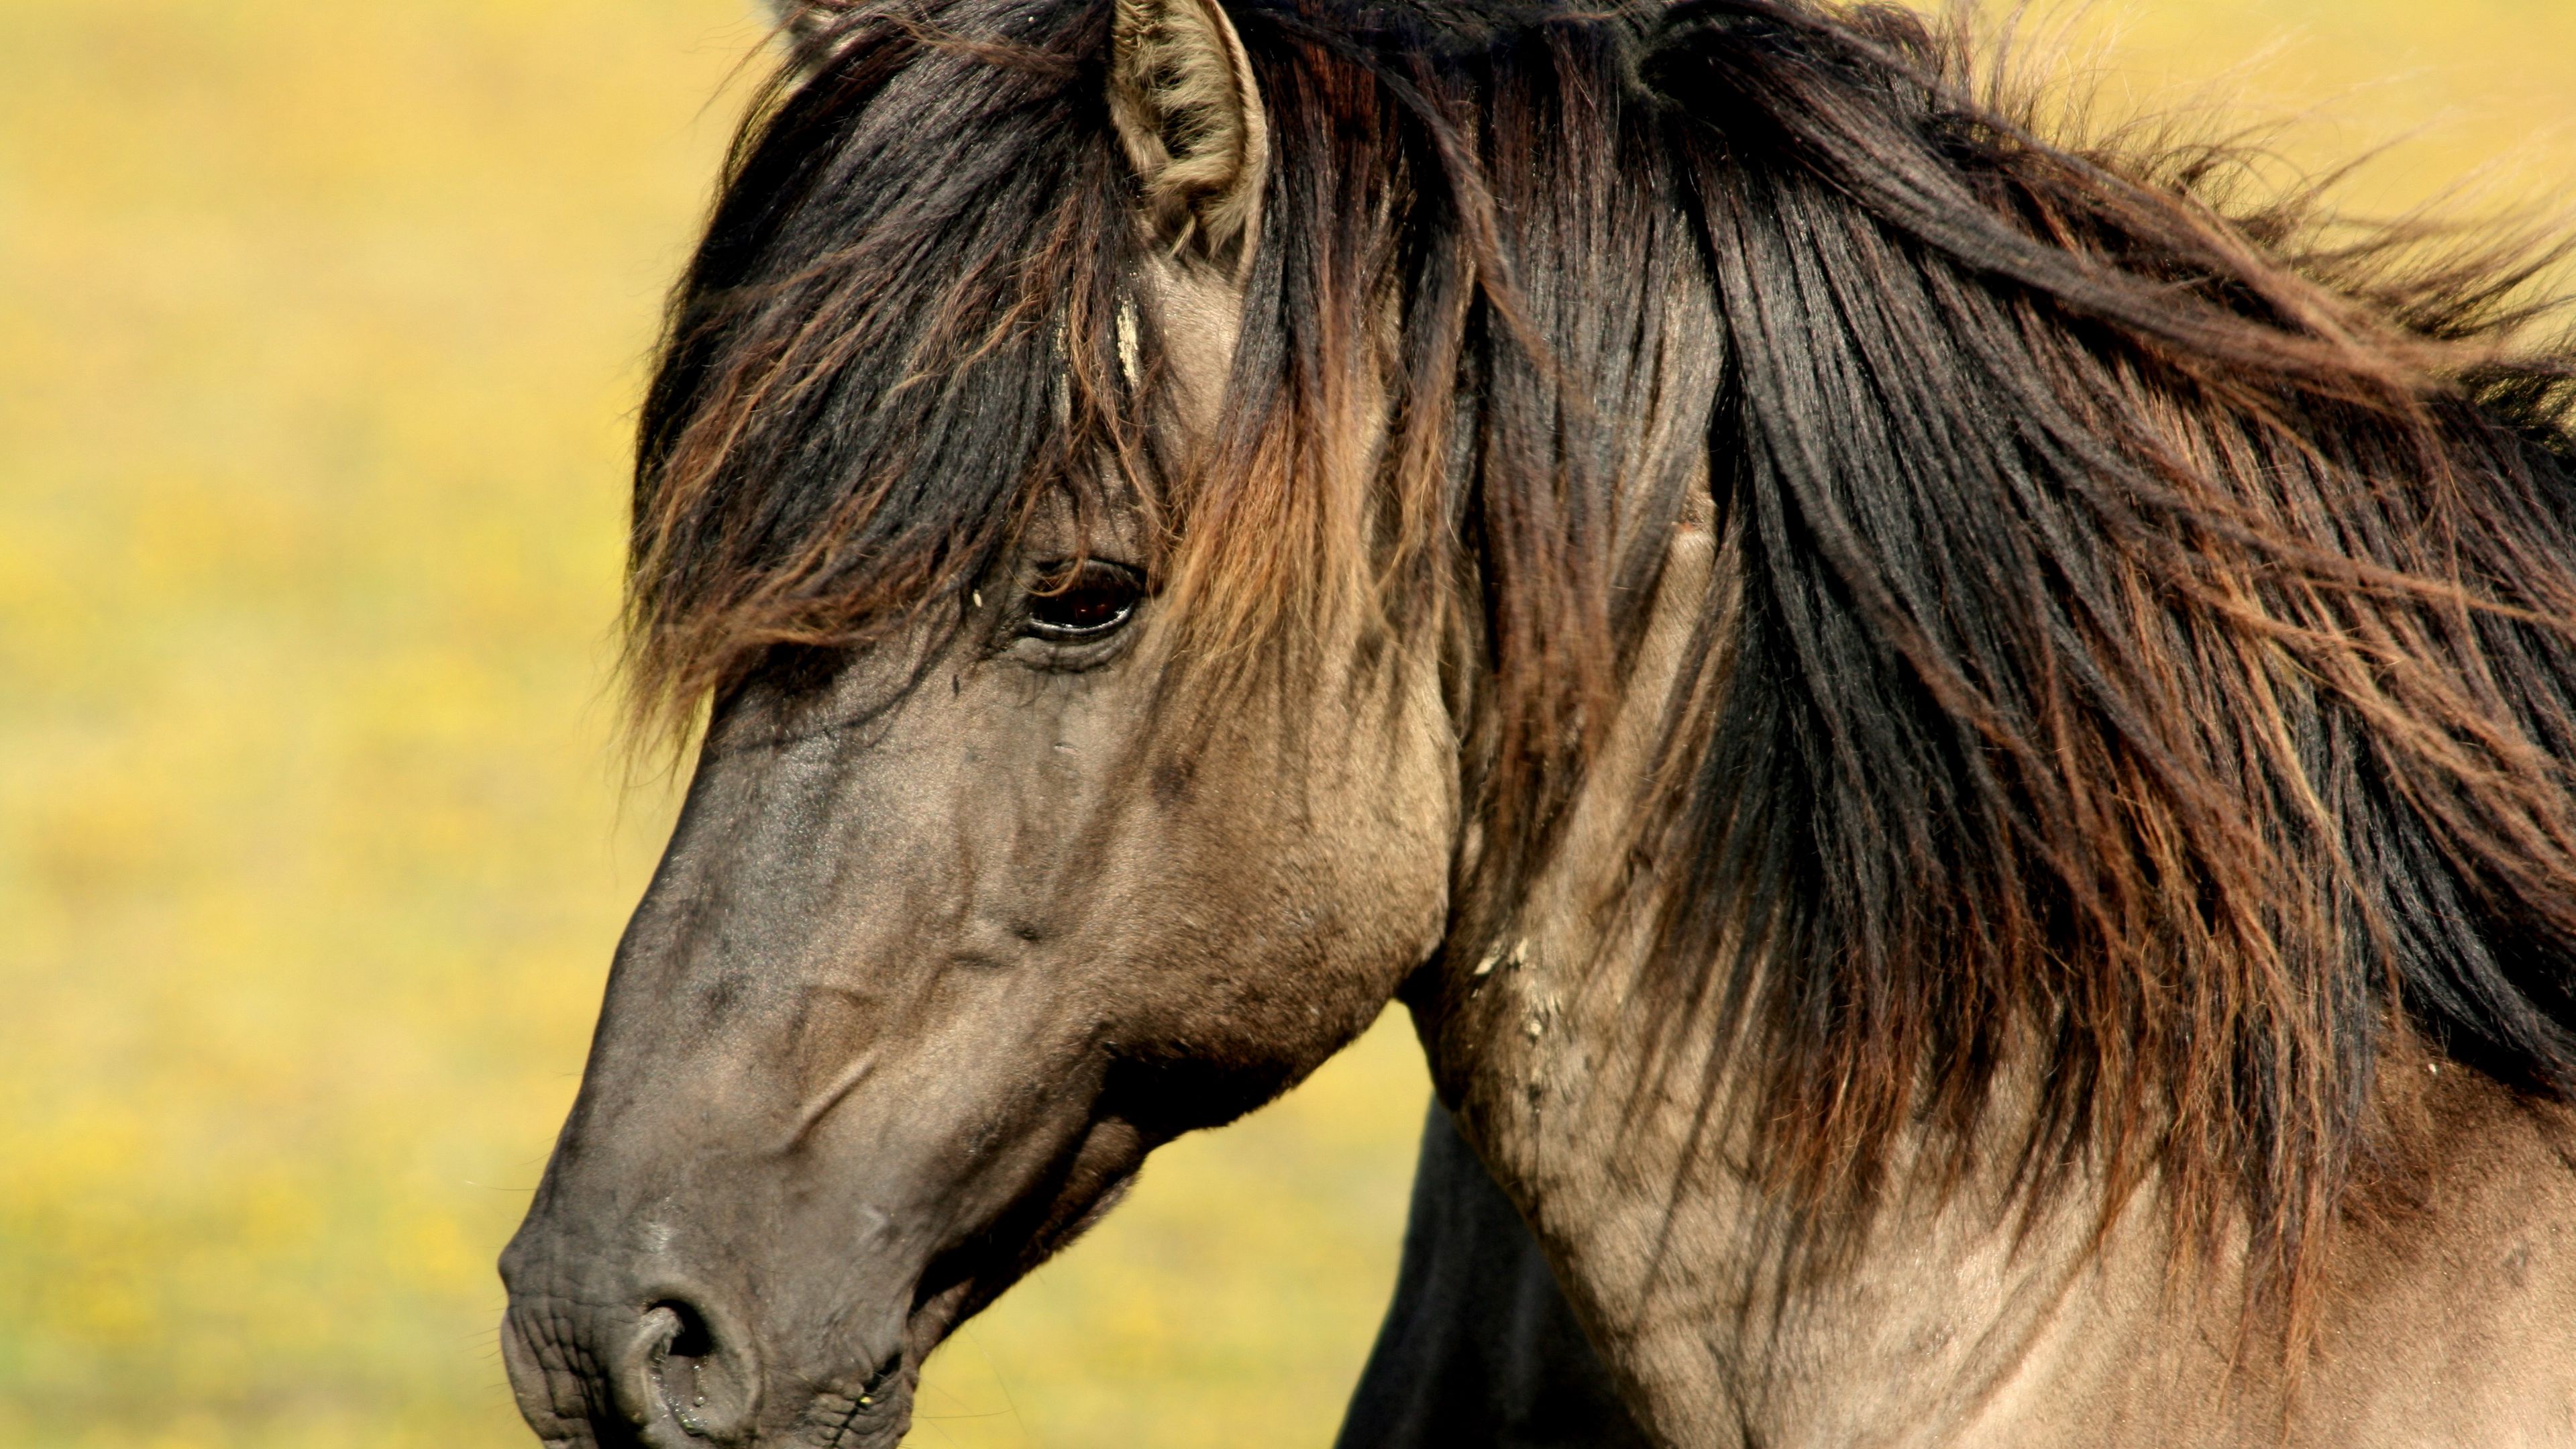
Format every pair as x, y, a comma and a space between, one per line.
320, 327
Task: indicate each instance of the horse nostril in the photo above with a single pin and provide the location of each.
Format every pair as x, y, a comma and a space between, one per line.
678, 1369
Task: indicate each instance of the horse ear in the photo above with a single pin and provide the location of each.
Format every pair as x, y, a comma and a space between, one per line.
1187, 110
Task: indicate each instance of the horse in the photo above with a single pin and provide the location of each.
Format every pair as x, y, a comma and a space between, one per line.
1955, 733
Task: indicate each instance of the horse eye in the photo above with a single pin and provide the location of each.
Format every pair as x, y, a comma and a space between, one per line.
1096, 599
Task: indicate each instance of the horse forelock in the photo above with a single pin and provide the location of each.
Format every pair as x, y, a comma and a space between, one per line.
2151, 656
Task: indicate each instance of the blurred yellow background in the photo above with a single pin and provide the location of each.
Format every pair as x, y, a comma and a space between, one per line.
321, 326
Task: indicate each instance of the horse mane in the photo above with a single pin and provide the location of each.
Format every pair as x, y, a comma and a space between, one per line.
2154, 656
2150, 660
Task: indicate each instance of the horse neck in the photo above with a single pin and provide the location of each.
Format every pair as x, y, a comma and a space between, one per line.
1646, 1204
1955, 1317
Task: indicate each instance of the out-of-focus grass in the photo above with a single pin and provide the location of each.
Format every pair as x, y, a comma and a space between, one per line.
320, 325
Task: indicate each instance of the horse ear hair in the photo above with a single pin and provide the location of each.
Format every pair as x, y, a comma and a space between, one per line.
795, 18
1188, 112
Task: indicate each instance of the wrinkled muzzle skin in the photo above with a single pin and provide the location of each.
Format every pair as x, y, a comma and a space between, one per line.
950, 935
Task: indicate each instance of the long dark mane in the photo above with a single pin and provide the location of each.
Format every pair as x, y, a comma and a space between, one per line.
2149, 651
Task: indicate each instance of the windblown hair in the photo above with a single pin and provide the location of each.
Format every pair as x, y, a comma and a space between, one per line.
2149, 651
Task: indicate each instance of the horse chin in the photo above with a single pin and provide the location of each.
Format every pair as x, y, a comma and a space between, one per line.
875, 1415
878, 1412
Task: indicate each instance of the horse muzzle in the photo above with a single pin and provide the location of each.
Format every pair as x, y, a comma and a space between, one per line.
668, 1364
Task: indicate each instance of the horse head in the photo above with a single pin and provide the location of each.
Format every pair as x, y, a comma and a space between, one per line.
961, 919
